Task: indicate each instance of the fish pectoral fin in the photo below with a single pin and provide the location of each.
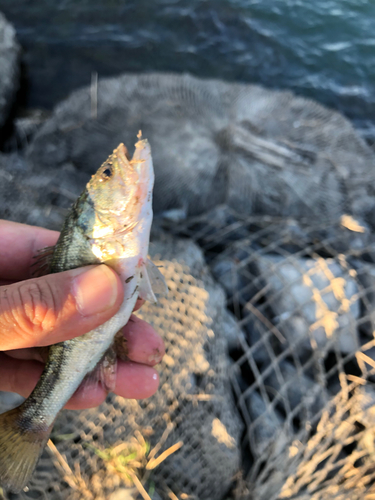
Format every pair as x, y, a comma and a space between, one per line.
104, 373
21, 444
152, 282
157, 280
42, 262
120, 345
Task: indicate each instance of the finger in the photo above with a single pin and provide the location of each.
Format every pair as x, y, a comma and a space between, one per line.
143, 344
31, 353
41, 353
145, 340
57, 307
133, 381
19, 244
19, 376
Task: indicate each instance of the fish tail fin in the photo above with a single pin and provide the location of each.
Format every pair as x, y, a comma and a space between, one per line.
21, 445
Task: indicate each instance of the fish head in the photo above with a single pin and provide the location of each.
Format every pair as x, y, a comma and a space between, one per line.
120, 193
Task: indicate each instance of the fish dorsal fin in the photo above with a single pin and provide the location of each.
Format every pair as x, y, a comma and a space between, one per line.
42, 262
152, 282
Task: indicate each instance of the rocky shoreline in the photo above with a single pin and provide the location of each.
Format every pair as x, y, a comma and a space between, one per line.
260, 151
9, 68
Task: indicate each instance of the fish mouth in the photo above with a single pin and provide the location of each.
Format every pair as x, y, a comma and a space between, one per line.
136, 180
141, 162
122, 155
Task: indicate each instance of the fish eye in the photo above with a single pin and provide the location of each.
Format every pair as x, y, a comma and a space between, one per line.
107, 173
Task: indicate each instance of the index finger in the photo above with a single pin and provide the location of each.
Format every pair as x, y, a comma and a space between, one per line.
18, 245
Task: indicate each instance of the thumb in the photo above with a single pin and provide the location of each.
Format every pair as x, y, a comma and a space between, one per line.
57, 307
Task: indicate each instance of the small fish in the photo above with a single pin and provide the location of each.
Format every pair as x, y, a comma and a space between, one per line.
109, 223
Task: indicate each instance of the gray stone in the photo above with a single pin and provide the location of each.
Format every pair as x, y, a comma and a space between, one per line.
229, 224
298, 388
226, 272
186, 158
349, 235
216, 142
313, 142
37, 198
25, 125
314, 301
9, 67
365, 274
233, 334
267, 429
258, 338
233, 274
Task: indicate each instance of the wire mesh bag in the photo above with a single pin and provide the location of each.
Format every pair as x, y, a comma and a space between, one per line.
303, 368
193, 408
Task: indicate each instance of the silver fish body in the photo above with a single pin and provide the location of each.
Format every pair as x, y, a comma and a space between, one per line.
110, 223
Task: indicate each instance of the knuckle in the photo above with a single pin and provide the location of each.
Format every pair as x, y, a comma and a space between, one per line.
34, 308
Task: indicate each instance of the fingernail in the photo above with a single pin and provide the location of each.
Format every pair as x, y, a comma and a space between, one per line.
95, 290
156, 357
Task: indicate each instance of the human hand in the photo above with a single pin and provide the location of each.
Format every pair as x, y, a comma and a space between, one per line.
57, 307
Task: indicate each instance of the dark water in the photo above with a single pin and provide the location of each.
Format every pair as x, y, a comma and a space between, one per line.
323, 49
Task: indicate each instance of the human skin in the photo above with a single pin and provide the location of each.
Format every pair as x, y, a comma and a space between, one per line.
37, 312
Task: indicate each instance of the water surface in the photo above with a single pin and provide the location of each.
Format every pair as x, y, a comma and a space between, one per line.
324, 49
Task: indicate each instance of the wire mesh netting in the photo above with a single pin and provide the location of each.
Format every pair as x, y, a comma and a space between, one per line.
295, 344
267, 384
303, 368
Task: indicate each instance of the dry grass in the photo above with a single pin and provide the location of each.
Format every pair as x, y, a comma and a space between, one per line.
131, 461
